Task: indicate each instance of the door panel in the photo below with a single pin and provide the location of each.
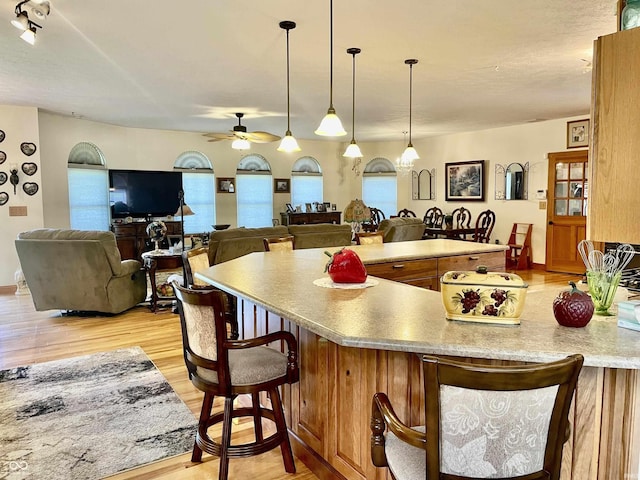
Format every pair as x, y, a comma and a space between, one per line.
568, 187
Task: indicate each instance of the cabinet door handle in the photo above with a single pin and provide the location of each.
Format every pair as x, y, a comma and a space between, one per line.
474, 258
399, 266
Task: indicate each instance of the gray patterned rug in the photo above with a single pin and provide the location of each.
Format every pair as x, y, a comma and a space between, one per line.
89, 417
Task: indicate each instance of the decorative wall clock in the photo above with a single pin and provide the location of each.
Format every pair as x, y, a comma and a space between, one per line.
29, 168
28, 148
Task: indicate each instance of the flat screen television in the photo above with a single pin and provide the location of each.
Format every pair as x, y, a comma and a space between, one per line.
144, 193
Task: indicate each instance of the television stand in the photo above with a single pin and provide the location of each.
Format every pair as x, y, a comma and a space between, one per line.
131, 237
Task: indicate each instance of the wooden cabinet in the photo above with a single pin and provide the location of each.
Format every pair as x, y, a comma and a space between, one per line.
294, 218
493, 261
614, 203
132, 238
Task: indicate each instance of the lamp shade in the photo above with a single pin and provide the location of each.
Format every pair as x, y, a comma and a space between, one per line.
353, 150
240, 144
185, 212
21, 21
29, 35
409, 154
357, 212
331, 126
289, 144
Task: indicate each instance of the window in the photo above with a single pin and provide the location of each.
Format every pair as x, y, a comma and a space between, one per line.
88, 182
198, 183
380, 186
306, 181
254, 192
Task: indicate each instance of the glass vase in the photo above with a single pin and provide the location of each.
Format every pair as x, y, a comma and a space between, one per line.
602, 288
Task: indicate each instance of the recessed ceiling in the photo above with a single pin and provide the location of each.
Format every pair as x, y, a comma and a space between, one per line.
192, 65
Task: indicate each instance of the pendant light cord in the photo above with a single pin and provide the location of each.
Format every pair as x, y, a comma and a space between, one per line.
353, 101
410, 98
288, 107
331, 55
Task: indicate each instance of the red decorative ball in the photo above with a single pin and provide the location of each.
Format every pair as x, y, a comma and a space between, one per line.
573, 308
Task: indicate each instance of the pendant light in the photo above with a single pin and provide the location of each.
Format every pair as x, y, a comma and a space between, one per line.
288, 144
331, 126
409, 154
353, 150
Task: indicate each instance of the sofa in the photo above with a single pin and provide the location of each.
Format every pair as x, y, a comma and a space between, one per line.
79, 270
400, 229
228, 244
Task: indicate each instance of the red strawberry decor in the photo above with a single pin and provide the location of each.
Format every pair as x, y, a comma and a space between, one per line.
573, 308
345, 266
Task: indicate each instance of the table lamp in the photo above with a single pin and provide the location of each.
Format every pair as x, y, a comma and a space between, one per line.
183, 211
356, 213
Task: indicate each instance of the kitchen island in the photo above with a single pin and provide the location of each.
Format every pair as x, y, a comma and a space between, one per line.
356, 342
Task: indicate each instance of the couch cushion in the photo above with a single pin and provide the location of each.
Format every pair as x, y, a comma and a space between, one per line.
321, 235
228, 244
401, 229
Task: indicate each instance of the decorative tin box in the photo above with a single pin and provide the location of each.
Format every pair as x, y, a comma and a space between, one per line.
484, 297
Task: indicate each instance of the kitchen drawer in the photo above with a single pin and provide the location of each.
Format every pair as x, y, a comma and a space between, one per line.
430, 283
405, 271
494, 261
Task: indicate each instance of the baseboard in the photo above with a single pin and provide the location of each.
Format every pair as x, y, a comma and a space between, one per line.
7, 289
312, 460
538, 266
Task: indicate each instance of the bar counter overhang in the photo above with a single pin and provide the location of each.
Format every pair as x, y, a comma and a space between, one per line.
356, 342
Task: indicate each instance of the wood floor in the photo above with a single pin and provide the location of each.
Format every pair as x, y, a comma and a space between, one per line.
27, 337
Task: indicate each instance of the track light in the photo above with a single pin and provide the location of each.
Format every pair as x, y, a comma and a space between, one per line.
39, 10
21, 22
29, 35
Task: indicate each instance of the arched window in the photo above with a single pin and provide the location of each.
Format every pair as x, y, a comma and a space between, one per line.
254, 192
380, 186
88, 182
198, 183
306, 181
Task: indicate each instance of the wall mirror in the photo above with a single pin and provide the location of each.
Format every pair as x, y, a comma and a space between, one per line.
423, 184
512, 181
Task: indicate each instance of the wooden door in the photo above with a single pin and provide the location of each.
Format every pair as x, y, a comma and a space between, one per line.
568, 188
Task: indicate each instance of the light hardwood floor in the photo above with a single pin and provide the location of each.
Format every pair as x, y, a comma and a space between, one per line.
27, 337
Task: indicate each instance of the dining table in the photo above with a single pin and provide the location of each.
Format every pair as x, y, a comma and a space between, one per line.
451, 233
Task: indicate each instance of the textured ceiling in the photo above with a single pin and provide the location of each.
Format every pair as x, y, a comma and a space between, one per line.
191, 65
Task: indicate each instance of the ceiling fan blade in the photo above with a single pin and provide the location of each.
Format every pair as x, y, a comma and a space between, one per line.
261, 137
216, 137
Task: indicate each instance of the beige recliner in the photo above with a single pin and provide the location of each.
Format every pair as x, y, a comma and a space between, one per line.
79, 270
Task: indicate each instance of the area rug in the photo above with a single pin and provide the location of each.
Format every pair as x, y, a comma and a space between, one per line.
89, 417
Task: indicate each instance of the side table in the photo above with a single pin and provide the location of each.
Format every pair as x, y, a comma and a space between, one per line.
159, 260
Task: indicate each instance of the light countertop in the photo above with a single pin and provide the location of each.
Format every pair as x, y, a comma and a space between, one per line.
396, 316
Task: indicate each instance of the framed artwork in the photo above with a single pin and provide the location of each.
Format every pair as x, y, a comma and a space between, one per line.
464, 181
281, 185
225, 185
578, 133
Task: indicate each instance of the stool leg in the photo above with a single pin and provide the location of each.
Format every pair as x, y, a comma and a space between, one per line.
257, 417
205, 414
281, 425
225, 441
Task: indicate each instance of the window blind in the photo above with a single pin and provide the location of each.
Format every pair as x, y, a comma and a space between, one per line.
254, 199
199, 194
88, 198
381, 191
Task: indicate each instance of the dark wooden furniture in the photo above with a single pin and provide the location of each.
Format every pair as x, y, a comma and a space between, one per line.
161, 260
132, 238
519, 254
404, 213
509, 385
377, 216
484, 226
433, 217
452, 233
227, 368
279, 244
461, 218
302, 218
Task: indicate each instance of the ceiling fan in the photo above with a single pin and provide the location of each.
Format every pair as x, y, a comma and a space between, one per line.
240, 132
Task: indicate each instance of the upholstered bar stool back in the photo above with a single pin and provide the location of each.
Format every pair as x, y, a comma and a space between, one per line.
226, 368
279, 244
481, 422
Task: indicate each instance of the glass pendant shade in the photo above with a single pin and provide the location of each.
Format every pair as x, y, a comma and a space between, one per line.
29, 36
240, 144
289, 144
353, 150
21, 21
331, 126
410, 154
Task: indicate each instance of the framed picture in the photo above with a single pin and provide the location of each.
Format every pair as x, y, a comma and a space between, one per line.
225, 185
281, 185
320, 207
308, 207
578, 133
464, 181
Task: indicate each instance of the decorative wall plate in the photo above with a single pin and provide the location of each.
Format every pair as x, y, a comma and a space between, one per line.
1, 135
3, 178
29, 168
4, 198
28, 148
3, 157
30, 188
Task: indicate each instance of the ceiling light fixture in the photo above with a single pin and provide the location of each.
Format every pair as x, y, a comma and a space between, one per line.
353, 150
21, 22
240, 144
289, 143
39, 8
331, 126
409, 155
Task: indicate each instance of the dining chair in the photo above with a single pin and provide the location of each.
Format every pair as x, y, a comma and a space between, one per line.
482, 421
406, 213
228, 368
197, 260
461, 219
369, 238
484, 226
433, 217
279, 244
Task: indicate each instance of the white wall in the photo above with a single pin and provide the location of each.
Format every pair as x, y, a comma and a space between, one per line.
20, 124
129, 148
